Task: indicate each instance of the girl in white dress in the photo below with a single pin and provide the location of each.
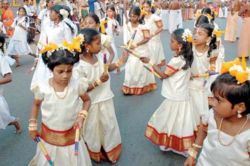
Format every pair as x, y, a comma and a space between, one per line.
18, 45
138, 80
92, 21
112, 27
154, 22
224, 138
56, 31
173, 124
204, 43
58, 98
5, 117
101, 132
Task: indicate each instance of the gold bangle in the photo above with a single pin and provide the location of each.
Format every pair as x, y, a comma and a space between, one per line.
192, 152
98, 82
33, 120
196, 146
83, 113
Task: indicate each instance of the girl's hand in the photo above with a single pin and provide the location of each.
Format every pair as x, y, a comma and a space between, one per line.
190, 161
33, 134
104, 77
212, 60
145, 59
78, 123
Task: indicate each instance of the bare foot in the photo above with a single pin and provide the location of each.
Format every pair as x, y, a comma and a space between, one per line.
17, 125
18, 65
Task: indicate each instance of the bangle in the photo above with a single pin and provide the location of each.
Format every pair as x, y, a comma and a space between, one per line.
32, 126
196, 146
32, 120
151, 63
83, 114
98, 82
193, 153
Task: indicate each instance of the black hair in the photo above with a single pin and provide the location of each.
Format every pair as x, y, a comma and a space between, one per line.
2, 40
94, 17
57, 9
89, 35
202, 20
227, 87
135, 10
210, 29
149, 3
111, 7
186, 51
208, 11
59, 57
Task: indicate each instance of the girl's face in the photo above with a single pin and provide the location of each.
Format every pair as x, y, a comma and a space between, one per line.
146, 7
110, 13
134, 18
200, 36
50, 4
95, 46
222, 107
90, 23
53, 15
174, 45
21, 12
62, 73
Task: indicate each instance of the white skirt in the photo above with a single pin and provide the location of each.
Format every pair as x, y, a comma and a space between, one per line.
165, 18
137, 80
199, 99
157, 51
101, 130
5, 117
62, 156
41, 73
19, 48
173, 125
175, 20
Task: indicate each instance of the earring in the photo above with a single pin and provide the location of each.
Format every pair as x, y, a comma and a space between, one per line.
239, 114
207, 43
87, 50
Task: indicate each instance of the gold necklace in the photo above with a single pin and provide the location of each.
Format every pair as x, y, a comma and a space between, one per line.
58, 96
219, 137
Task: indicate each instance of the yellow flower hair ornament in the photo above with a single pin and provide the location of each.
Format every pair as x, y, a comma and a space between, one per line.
218, 33
237, 70
51, 47
187, 36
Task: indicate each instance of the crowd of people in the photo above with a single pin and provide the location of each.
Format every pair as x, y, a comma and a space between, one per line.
205, 114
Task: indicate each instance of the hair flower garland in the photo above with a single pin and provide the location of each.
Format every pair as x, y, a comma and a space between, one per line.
187, 36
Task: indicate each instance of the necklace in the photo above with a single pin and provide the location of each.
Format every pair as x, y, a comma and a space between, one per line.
58, 96
199, 54
228, 144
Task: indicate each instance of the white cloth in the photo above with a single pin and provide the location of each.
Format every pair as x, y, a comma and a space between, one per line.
92, 73
18, 44
51, 34
175, 20
175, 88
198, 91
60, 114
5, 117
30, 10
136, 76
165, 18
73, 26
2, 28
213, 153
155, 43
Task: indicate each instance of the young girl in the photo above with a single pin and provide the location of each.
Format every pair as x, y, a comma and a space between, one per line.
92, 21
111, 27
138, 80
173, 124
155, 25
204, 43
101, 132
58, 99
224, 139
5, 117
18, 45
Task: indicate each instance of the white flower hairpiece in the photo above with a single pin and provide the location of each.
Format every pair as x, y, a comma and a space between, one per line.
64, 13
187, 36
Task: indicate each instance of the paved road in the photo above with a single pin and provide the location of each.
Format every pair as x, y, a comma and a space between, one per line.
132, 114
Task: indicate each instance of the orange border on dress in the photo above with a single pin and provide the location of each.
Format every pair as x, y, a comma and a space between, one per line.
172, 141
138, 90
113, 155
